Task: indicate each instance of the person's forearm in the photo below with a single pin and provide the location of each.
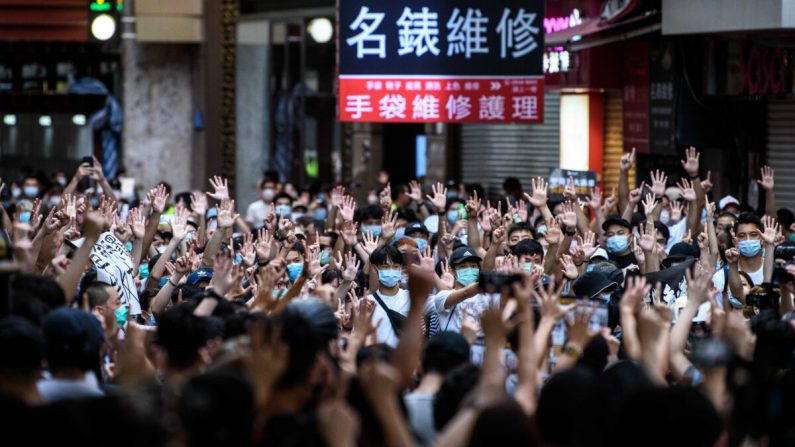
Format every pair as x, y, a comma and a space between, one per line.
292, 292
72, 186
652, 262
628, 210
164, 294
770, 203
655, 213
459, 430
630, 335
358, 248
623, 189
541, 338
137, 253
694, 218
106, 188
714, 385
735, 284
551, 258
582, 220
151, 229
160, 265
242, 226
407, 353
339, 247
473, 235
396, 432
69, 279
460, 295
546, 213
42, 250
491, 372
201, 233
491, 257
677, 358
714, 250
527, 366
769, 261
212, 247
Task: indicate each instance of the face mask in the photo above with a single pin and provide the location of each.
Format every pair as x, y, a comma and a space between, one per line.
121, 315
325, 257
421, 244
295, 216
16, 192
467, 276
188, 236
372, 200
143, 271
749, 249
268, 194
528, 268
321, 214
31, 191
238, 259
792, 237
282, 210
25, 217
375, 229
129, 246
161, 250
542, 229
452, 216
279, 294
54, 201
94, 202
400, 232
294, 270
61, 181
389, 278
617, 244
665, 216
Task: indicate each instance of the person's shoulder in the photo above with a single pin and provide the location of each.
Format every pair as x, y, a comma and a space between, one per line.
443, 293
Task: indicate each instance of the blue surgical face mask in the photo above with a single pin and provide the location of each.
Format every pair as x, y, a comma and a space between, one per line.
143, 271
375, 229
617, 244
467, 276
389, 278
294, 270
452, 217
282, 211
542, 229
279, 294
421, 243
749, 249
121, 315
325, 256
31, 191
24, 217
528, 268
321, 213
129, 246
238, 259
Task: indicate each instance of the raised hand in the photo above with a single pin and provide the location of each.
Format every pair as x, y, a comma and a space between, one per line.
179, 224
225, 273
352, 265
337, 194
349, 231
389, 224
596, 199
771, 229
415, 191
588, 244
627, 160
94, 223
548, 299
640, 256
347, 207
647, 241
706, 184
553, 234
226, 214
521, 210
247, 250
447, 277
767, 181
263, 246
539, 191
649, 204
676, 212
369, 241
35, 214
159, 198
569, 216
137, 223
579, 324
688, 193
69, 202
439, 197
221, 187
570, 191
569, 269
658, 181
690, 163
634, 292
610, 202
199, 203
635, 194
473, 205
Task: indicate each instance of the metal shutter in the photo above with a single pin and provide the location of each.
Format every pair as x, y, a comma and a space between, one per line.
781, 150
492, 152
613, 142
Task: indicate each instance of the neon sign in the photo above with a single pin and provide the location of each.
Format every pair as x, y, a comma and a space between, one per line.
105, 5
556, 24
557, 60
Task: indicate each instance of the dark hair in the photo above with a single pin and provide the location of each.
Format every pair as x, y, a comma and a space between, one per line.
445, 351
181, 334
304, 344
527, 247
748, 218
44, 288
370, 212
560, 422
330, 275
519, 227
217, 408
21, 348
504, 423
97, 294
451, 394
386, 253
511, 183
283, 195
663, 229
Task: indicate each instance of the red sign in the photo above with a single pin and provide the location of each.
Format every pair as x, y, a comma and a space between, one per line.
636, 97
441, 99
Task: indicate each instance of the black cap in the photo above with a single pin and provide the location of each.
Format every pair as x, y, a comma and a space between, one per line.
681, 251
616, 220
592, 284
463, 254
415, 227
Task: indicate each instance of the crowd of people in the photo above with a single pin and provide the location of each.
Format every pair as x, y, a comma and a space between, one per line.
414, 314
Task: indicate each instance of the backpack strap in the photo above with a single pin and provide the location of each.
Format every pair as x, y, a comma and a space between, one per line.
389, 313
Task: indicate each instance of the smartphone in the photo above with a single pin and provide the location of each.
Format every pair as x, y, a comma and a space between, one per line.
89, 160
495, 282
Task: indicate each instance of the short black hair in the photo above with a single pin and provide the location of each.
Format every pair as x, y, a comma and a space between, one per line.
456, 386
445, 351
519, 227
97, 294
748, 218
527, 247
181, 334
511, 183
283, 195
370, 212
21, 348
45, 288
217, 408
330, 275
386, 253
663, 229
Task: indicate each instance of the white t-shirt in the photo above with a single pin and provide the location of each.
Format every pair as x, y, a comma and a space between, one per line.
451, 319
719, 281
677, 232
399, 302
420, 409
256, 213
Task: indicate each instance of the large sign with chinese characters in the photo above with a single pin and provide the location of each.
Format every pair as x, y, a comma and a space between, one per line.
439, 61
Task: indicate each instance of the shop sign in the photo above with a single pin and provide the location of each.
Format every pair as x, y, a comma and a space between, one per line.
764, 71
636, 97
438, 61
584, 181
662, 104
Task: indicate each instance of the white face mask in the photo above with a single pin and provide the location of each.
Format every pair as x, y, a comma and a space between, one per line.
665, 217
372, 200
268, 194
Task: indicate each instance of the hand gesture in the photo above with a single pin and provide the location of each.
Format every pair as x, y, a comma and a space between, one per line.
771, 229
226, 214
627, 160
690, 163
676, 212
570, 191
70, 208
183, 265
35, 215
389, 225
569, 216
579, 324
635, 195
473, 205
634, 292
337, 194
703, 241
120, 229
385, 198
225, 273
649, 204
698, 287
347, 207
539, 189
553, 234
370, 242
588, 244
447, 277
521, 210
179, 224
640, 256
247, 250
610, 202
415, 191
94, 223
221, 187
263, 245
706, 184
688, 193
658, 181
159, 197
439, 197
647, 241
138, 223
548, 299
426, 260
596, 199
498, 235
199, 203
767, 180
569, 269
352, 266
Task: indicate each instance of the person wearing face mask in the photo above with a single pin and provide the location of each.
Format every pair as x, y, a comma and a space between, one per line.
747, 257
283, 206
419, 233
618, 233
530, 255
370, 218
259, 209
295, 262
392, 302
452, 305
30, 188
298, 211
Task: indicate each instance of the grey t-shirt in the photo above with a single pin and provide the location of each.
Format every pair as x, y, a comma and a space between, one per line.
420, 408
53, 390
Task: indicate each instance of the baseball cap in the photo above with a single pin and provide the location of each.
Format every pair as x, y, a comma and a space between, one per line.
616, 220
68, 330
600, 253
463, 254
201, 274
681, 251
592, 284
728, 200
416, 227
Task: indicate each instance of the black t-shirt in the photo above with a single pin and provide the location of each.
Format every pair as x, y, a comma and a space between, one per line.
625, 261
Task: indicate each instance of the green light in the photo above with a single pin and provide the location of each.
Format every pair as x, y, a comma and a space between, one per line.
99, 7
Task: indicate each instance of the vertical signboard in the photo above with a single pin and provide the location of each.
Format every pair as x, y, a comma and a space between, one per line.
438, 61
661, 99
636, 97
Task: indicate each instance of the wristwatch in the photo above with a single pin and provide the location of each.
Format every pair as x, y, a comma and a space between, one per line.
572, 351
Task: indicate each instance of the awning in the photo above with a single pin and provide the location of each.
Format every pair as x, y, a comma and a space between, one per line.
596, 32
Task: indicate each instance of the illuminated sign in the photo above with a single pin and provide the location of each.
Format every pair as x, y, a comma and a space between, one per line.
557, 60
556, 24
105, 5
